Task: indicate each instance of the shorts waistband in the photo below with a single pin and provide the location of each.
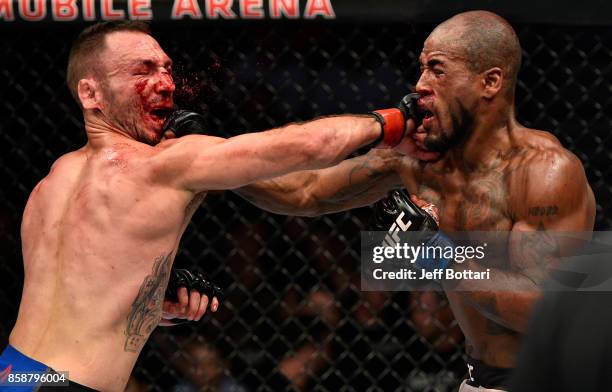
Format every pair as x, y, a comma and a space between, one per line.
19, 361
13, 360
483, 375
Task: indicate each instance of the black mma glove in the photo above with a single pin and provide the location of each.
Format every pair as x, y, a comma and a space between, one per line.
184, 122
397, 213
191, 281
393, 121
186, 278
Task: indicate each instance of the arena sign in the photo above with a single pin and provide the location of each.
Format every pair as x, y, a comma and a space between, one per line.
91, 10
40, 12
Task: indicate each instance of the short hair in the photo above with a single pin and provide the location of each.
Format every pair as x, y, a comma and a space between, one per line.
488, 40
84, 50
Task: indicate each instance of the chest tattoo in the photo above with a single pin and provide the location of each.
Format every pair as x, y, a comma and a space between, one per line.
483, 204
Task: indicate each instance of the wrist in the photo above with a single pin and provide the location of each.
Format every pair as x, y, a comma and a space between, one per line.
393, 127
380, 125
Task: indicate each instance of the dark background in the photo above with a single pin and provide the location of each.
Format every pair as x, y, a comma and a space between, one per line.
292, 283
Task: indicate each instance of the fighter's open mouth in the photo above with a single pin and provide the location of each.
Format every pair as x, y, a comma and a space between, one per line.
427, 114
161, 113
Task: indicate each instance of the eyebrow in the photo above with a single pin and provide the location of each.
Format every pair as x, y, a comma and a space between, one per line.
150, 62
433, 63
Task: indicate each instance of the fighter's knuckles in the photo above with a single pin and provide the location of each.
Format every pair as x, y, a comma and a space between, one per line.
411, 127
433, 211
194, 293
203, 307
184, 122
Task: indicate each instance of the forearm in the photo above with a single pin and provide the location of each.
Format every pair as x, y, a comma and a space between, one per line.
353, 183
201, 163
506, 297
284, 195
332, 139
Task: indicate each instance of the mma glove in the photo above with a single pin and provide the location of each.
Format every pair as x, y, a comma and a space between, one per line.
192, 281
393, 121
397, 213
184, 122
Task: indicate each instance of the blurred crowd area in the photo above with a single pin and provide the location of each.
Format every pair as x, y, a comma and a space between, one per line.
294, 317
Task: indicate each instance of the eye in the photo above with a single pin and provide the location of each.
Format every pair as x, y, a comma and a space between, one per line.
437, 71
140, 72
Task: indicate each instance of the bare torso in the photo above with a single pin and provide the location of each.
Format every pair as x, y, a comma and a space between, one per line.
477, 203
488, 198
99, 238
100, 232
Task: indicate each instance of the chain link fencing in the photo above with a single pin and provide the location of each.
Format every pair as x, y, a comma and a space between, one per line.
294, 317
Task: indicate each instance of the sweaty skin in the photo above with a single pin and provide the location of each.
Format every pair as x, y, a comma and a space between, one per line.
527, 183
492, 174
530, 184
101, 231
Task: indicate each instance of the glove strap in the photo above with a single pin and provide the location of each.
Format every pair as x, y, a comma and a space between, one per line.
393, 126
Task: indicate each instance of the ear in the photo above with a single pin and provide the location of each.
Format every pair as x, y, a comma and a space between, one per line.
89, 93
492, 82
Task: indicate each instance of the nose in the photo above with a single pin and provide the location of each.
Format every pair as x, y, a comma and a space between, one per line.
165, 83
423, 87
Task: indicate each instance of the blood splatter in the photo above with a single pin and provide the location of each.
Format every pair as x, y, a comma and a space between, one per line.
195, 88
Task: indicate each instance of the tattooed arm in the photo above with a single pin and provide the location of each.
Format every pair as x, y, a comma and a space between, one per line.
552, 195
353, 183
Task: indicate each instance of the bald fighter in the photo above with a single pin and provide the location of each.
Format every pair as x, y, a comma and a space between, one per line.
489, 173
101, 231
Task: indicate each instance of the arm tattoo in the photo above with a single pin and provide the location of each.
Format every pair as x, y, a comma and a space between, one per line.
356, 187
372, 173
539, 249
147, 307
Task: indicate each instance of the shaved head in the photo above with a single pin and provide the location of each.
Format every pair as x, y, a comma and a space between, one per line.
485, 40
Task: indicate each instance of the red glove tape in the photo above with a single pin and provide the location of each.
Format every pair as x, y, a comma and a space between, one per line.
393, 125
